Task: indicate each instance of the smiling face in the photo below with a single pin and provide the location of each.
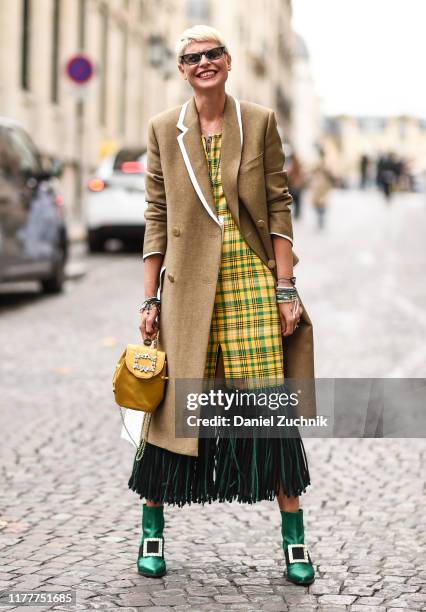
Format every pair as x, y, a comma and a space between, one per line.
208, 74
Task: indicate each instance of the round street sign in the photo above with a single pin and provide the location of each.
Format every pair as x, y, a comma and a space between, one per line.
79, 69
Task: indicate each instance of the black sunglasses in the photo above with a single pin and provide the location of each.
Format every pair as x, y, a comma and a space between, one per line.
195, 58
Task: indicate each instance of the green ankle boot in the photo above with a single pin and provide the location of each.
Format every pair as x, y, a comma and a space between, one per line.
151, 551
298, 561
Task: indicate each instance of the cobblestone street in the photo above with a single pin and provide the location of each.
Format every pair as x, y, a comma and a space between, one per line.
67, 518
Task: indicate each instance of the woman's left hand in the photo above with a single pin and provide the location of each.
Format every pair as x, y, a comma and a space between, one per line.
290, 313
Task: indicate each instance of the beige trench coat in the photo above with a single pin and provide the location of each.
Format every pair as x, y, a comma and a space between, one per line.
182, 224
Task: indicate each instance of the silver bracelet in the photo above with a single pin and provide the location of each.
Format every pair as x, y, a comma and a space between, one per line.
286, 294
149, 302
286, 290
282, 300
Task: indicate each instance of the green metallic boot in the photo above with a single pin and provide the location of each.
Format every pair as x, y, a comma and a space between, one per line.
298, 561
151, 551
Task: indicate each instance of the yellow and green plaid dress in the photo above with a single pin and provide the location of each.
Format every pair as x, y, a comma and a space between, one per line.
246, 325
246, 321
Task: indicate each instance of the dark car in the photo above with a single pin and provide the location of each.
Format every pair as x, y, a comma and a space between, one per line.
33, 237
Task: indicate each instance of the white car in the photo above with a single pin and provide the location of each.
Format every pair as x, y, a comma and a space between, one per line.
115, 201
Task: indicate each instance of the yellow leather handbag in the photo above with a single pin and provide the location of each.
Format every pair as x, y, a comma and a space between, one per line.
140, 377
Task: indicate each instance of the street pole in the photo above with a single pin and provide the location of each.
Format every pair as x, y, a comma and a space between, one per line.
80, 165
80, 70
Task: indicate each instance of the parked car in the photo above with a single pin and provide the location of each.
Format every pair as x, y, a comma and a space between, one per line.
115, 202
33, 236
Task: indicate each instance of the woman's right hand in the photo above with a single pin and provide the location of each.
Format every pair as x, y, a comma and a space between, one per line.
149, 325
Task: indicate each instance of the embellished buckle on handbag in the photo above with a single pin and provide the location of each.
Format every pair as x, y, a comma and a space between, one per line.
297, 553
152, 547
144, 368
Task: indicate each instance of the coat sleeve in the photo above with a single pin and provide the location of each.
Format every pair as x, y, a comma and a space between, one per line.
155, 240
278, 196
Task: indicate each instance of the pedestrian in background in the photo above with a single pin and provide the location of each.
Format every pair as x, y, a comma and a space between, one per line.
296, 183
389, 170
218, 241
321, 183
364, 170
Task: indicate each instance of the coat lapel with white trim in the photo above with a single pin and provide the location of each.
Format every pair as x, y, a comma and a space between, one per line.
192, 150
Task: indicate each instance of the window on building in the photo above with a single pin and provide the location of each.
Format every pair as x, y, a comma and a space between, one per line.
123, 86
371, 125
25, 44
141, 85
55, 51
331, 125
198, 9
103, 68
81, 24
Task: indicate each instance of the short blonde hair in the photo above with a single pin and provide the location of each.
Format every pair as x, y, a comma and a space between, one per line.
198, 33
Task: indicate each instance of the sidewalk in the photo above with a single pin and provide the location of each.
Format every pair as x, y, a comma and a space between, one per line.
68, 520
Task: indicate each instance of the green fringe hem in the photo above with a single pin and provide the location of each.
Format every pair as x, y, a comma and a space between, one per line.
227, 468
247, 470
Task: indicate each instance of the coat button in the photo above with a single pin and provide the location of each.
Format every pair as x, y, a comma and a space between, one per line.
176, 231
171, 278
261, 223
271, 263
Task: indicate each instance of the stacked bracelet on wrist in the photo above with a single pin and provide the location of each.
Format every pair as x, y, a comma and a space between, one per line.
286, 294
292, 279
149, 302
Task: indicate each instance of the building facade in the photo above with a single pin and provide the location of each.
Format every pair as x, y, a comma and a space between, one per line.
80, 124
346, 138
131, 45
306, 122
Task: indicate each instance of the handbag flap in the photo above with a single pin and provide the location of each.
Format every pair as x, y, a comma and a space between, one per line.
144, 361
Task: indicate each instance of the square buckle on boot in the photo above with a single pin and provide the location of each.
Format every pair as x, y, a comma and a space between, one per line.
298, 553
152, 547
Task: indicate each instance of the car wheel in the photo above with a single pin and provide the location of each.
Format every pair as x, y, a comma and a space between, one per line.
55, 283
96, 244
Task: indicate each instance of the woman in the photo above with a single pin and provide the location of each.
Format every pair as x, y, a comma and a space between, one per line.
218, 237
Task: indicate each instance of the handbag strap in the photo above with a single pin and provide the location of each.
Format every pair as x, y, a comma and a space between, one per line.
155, 340
144, 435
